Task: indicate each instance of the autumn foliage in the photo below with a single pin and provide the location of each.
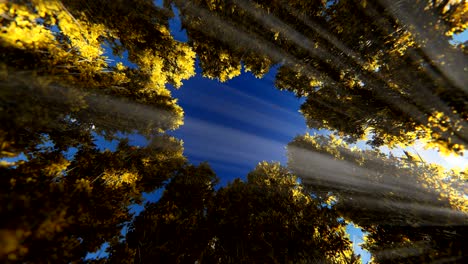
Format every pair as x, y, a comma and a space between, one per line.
383, 72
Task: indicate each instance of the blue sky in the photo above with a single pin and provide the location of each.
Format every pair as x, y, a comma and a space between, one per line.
237, 124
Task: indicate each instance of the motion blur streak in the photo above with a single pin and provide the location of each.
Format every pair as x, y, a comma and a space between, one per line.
433, 50
343, 175
418, 109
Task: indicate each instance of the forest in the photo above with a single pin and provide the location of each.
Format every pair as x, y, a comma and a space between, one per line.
377, 75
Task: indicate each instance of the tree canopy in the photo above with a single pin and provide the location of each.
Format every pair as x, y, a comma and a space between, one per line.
268, 219
383, 71
377, 69
63, 195
414, 212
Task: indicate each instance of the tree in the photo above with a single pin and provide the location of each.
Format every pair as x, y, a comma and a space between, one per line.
271, 219
175, 228
367, 68
414, 212
65, 42
60, 209
268, 219
62, 196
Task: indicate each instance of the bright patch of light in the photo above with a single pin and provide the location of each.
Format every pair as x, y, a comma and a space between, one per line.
432, 156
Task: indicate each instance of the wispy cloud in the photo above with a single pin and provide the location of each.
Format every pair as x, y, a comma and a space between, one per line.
221, 143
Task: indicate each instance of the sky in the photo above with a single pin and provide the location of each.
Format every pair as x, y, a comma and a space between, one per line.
237, 124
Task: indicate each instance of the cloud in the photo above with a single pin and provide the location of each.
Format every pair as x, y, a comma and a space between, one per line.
211, 141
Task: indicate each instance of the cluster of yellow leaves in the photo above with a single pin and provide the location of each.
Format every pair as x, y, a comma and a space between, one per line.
35, 27
403, 43
185, 61
56, 168
372, 65
258, 67
153, 65
434, 133
214, 5
315, 82
452, 187
23, 32
459, 19
217, 63
439, 120
230, 71
335, 143
163, 66
117, 179
275, 176
83, 36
